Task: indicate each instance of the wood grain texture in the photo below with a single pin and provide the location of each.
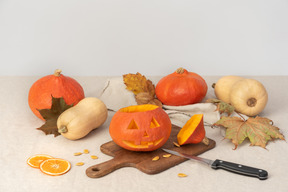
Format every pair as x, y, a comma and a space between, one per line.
143, 160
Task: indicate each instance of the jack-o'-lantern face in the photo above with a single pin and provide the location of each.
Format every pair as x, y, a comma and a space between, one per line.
140, 127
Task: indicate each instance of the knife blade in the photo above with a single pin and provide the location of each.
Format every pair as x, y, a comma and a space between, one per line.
225, 165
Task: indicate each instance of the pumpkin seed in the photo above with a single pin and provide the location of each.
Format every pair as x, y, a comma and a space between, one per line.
94, 157
79, 163
77, 154
167, 155
176, 144
182, 175
86, 151
156, 158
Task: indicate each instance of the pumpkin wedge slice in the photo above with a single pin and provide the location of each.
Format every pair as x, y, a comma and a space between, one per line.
193, 131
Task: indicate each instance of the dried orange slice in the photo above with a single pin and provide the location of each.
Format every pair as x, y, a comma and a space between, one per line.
35, 160
55, 166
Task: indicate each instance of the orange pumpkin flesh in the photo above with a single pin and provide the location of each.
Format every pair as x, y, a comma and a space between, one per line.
181, 88
56, 85
140, 127
193, 131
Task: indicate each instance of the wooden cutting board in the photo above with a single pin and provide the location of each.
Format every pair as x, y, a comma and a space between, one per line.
143, 160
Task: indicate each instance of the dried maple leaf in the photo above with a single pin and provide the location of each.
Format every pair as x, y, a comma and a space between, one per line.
222, 107
138, 83
258, 130
143, 89
51, 116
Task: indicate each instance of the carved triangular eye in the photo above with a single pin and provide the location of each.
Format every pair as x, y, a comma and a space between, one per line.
154, 123
132, 125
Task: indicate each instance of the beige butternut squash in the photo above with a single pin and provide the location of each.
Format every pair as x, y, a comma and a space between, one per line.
248, 96
223, 87
76, 122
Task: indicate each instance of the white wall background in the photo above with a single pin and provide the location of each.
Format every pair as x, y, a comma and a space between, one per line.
153, 37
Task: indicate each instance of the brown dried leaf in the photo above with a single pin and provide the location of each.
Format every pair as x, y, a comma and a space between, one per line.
143, 98
156, 102
150, 88
51, 116
222, 107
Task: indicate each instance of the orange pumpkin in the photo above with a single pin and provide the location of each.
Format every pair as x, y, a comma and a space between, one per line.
56, 85
140, 127
181, 88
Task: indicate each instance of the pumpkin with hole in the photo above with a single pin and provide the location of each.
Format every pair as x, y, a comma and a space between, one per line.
76, 122
56, 85
247, 96
181, 88
140, 127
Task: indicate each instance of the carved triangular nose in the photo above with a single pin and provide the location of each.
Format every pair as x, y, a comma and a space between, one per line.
145, 134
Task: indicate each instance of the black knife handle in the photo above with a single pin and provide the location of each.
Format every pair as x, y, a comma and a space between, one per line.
240, 169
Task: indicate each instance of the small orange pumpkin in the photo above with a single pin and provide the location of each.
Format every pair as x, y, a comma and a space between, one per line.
56, 85
181, 88
140, 127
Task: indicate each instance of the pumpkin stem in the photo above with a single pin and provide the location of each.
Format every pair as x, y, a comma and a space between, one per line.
63, 129
57, 72
205, 141
180, 70
252, 102
241, 116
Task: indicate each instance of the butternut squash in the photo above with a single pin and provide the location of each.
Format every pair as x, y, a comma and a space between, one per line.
248, 96
76, 122
223, 87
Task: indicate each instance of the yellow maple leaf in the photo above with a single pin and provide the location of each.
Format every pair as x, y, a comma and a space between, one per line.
138, 83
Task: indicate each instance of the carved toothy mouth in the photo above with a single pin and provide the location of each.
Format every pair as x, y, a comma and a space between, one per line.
144, 144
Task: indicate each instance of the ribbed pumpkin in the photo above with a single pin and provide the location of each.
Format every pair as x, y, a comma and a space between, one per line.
140, 127
56, 85
181, 88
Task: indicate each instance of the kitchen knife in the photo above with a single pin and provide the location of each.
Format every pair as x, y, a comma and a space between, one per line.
228, 166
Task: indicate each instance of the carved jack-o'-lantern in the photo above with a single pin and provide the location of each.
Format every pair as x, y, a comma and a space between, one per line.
140, 127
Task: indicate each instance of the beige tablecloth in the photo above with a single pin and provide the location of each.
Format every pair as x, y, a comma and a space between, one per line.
19, 139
